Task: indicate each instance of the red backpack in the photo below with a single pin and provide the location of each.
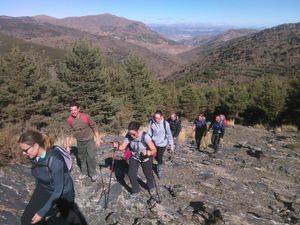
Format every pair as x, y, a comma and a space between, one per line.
82, 116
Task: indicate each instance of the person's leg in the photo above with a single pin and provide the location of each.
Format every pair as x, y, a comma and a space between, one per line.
82, 155
91, 158
215, 142
160, 162
147, 170
198, 140
132, 174
160, 154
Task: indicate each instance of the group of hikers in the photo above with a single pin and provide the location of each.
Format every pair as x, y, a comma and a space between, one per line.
51, 164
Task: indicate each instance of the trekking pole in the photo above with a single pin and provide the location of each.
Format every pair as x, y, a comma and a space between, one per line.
106, 199
158, 197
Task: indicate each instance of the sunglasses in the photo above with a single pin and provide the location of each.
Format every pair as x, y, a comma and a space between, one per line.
26, 150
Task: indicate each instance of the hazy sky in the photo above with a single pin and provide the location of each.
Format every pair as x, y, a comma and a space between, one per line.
219, 12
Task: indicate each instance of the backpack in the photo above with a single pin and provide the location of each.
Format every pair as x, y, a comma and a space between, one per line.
66, 156
83, 116
152, 122
141, 158
142, 140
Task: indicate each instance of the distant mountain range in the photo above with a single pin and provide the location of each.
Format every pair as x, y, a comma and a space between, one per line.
180, 32
118, 28
58, 36
274, 51
203, 52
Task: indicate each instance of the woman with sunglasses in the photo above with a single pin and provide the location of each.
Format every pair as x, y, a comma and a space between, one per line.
53, 181
142, 152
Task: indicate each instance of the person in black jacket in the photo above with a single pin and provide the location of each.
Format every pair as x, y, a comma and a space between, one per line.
175, 126
200, 129
53, 181
218, 130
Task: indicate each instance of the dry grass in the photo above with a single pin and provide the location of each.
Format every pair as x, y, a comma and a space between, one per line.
259, 126
9, 148
230, 123
289, 128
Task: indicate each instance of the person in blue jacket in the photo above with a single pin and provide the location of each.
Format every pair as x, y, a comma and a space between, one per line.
218, 130
53, 181
200, 128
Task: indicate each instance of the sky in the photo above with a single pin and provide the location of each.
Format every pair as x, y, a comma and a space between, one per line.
248, 13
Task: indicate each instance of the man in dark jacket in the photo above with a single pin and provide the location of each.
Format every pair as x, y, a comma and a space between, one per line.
200, 129
218, 129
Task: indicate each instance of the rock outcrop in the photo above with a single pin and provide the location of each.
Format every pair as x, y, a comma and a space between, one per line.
254, 179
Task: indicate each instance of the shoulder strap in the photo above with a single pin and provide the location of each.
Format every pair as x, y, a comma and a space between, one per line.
49, 164
151, 122
85, 118
143, 138
70, 121
165, 129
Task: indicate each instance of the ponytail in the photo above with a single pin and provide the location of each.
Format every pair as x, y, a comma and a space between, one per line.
48, 141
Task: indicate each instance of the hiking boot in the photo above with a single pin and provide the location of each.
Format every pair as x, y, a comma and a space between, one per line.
95, 177
82, 176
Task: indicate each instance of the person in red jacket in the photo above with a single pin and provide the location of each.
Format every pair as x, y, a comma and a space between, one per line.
84, 130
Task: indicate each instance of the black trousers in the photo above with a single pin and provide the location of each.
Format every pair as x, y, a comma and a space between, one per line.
215, 140
198, 138
147, 170
160, 154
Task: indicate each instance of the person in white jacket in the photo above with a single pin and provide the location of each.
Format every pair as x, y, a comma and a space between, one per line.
160, 132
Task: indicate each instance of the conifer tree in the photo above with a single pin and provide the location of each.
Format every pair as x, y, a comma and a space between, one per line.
87, 83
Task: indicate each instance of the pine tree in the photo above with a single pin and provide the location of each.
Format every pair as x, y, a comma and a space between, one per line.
268, 97
234, 99
142, 89
24, 82
187, 102
87, 83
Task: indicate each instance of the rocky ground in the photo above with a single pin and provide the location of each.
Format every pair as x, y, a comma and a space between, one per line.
254, 179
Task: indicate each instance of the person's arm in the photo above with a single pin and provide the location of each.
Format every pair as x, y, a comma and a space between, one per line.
205, 129
97, 137
57, 176
152, 149
122, 147
177, 129
169, 136
194, 126
222, 131
150, 131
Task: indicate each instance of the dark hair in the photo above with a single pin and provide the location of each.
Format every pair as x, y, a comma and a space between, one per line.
158, 112
134, 125
74, 103
32, 137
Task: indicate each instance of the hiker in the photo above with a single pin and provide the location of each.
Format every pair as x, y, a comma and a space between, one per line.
159, 131
142, 152
88, 138
225, 123
175, 126
51, 174
200, 129
218, 129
